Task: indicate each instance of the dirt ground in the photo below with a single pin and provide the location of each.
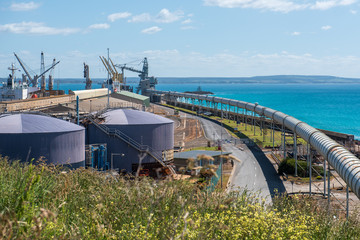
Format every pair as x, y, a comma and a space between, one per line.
188, 132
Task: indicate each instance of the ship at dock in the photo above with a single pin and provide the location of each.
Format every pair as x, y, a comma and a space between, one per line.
200, 91
16, 90
27, 87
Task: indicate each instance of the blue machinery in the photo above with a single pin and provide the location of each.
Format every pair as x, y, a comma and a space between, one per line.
98, 156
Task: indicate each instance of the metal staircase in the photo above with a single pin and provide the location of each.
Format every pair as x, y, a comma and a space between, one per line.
139, 147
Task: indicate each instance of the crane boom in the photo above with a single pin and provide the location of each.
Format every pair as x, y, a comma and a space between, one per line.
24, 68
34, 79
104, 64
51, 67
113, 66
131, 69
119, 76
52, 70
110, 67
145, 81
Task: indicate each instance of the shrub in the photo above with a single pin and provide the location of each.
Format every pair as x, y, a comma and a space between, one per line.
42, 202
288, 166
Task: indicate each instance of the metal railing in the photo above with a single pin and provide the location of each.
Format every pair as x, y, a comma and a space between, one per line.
346, 164
133, 143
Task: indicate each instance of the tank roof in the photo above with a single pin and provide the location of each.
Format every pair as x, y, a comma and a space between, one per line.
32, 123
133, 117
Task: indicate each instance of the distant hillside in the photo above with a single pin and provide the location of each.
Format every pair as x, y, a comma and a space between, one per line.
276, 79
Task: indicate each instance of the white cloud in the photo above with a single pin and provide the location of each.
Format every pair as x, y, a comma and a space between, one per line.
151, 30
187, 21
324, 5
279, 5
353, 12
36, 28
99, 26
164, 16
159, 53
347, 2
295, 33
272, 5
115, 16
24, 6
144, 17
325, 28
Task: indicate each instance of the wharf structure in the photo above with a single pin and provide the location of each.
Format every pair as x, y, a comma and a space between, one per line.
335, 155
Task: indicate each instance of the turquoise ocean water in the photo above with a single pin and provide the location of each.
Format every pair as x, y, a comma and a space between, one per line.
334, 107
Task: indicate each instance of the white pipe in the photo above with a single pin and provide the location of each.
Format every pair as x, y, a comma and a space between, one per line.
345, 163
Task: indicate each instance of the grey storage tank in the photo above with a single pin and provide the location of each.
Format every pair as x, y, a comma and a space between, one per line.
148, 130
29, 136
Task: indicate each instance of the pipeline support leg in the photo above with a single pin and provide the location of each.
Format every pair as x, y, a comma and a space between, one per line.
310, 166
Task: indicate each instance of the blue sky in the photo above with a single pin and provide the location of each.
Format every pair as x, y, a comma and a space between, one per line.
185, 38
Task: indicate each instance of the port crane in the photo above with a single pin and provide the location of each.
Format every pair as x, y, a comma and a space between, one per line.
34, 80
110, 67
42, 69
87, 76
145, 81
51, 78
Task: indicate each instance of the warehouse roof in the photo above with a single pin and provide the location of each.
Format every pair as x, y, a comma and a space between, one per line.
32, 123
132, 117
133, 95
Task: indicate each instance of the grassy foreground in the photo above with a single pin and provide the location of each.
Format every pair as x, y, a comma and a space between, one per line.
44, 202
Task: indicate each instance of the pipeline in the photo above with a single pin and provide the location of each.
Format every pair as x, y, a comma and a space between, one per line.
344, 162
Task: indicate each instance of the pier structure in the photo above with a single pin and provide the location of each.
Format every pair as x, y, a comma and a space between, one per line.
334, 153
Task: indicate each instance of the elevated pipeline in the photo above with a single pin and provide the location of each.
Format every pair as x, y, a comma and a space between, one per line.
344, 162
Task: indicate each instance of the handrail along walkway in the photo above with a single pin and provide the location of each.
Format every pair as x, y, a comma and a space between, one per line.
139, 147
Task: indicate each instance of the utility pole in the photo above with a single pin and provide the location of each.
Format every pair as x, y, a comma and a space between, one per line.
108, 86
77, 110
221, 158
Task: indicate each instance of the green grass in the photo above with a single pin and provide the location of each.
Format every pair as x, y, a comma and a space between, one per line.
288, 166
262, 138
42, 202
181, 109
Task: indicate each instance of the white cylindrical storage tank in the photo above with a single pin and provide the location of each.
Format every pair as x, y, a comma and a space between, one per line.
143, 128
29, 136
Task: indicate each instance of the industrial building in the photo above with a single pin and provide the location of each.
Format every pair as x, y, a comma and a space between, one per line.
132, 136
29, 136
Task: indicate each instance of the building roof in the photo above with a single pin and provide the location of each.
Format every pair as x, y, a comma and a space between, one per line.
195, 153
132, 117
32, 123
133, 95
